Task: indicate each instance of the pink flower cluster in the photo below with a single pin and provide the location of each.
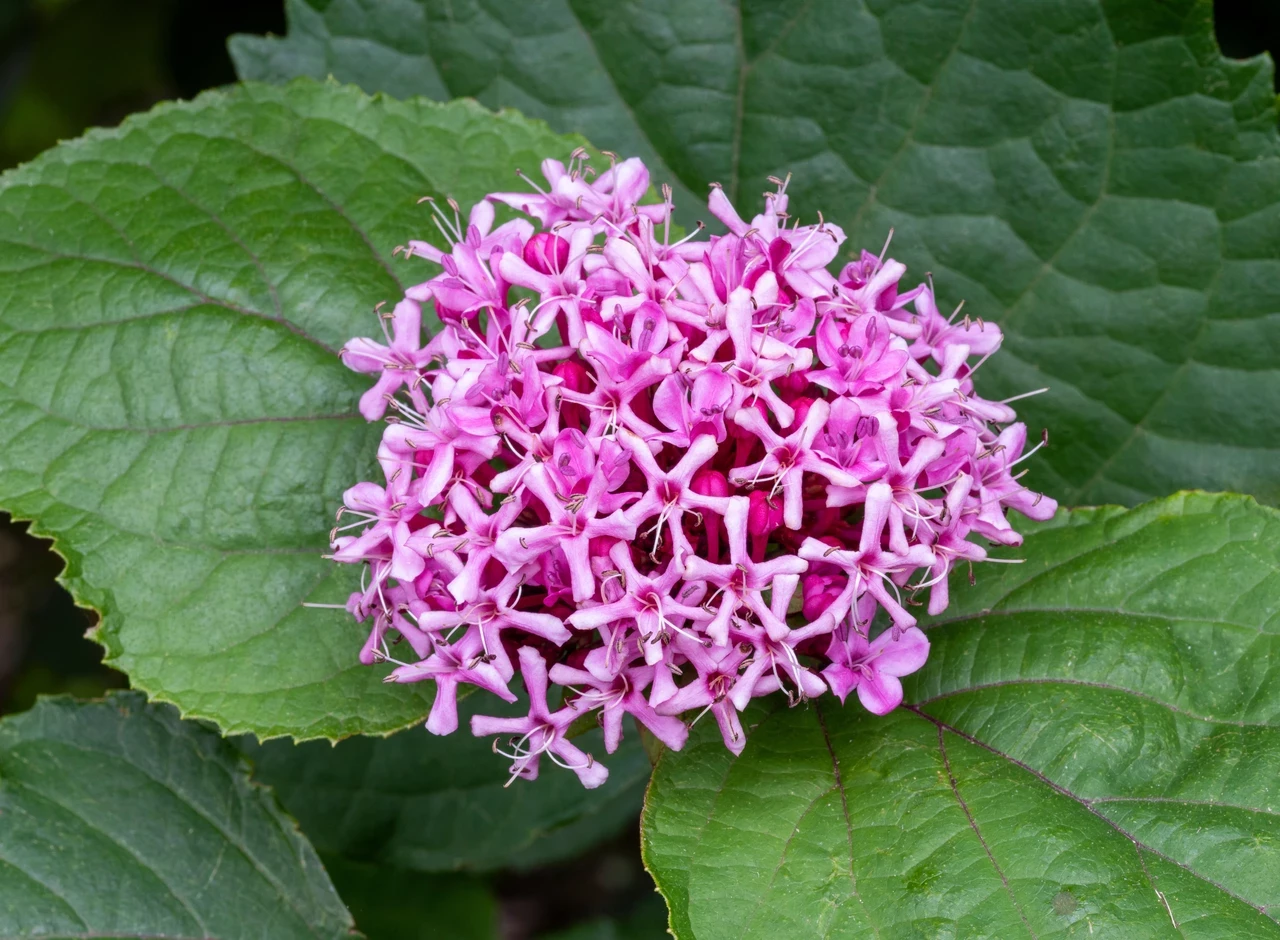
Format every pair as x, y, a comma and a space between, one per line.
665, 475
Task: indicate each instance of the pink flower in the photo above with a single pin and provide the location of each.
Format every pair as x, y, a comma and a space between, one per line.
874, 668
949, 541
615, 696
398, 363
716, 672
571, 526
647, 602
742, 581
691, 408
461, 662
938, 334
787, 459
613, 196
669, 494
870, 568
670, 478
542, 731
859, 356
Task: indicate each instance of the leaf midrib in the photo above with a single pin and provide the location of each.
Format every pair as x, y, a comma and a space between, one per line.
1175, 801
973, 824
977, 618
204, 299
246, 795
142, 864
178, 428
1082, 802
1087, 683
48, 889
1106, 543
217, 220
848, 821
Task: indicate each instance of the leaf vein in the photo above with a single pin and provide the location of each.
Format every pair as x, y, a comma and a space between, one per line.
973, 824
128, 850
1086, 683
1059, 788
844, 804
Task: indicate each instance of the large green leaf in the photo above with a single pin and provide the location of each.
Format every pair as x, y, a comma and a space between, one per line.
172, 408
436, 804
118, 819
1094, 749
1090, 173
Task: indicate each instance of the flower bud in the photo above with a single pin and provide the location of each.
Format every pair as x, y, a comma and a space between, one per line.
573, 375
765, 513
710, 483
546, 253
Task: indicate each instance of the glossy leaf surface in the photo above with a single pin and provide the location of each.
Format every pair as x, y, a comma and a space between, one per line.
1093, 747
118, 819
173, 412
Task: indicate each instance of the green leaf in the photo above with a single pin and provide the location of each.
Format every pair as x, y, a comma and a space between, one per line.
1092, 174
118, 819
394, 904
429, 803
532, 56
172, 408
1093, 750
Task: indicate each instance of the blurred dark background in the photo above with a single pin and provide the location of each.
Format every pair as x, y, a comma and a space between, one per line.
66, 65
70, 64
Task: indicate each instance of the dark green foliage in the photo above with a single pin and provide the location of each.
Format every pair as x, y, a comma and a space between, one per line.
118, 819
1091, 174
